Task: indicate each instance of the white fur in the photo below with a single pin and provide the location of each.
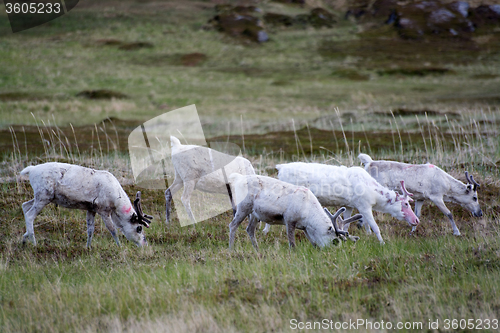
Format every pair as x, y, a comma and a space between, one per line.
196, 168
276, 202
351, 187
426, 182
77, 187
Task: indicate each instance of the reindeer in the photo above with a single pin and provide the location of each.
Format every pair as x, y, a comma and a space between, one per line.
351, 187
204, 169
427, 182
77, 187
273, 201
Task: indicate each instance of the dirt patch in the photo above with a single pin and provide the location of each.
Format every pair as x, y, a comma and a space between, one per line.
109, 42
388, 52
135, 46
416, 71
350, 74
286, 142
21, 96
484, 76
192, 59
101, 94
408, 112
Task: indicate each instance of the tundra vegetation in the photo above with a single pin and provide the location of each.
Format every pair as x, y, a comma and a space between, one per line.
307, 94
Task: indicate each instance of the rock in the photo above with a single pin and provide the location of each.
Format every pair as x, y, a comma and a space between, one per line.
432, 18
278, 19
320, 17
461, 7
358, 8
384, 10
237, 22
237, 25
486, 16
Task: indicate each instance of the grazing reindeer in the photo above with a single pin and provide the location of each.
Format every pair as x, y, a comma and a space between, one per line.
427, 182
203, 169
77, 187
351, 187
276, 202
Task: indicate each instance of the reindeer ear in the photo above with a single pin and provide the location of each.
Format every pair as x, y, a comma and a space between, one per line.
468, 189
134, 217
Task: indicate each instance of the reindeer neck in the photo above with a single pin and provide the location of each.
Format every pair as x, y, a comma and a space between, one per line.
456, 186
383, 196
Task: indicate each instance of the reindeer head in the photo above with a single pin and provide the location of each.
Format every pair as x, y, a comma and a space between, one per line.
337, 231
137, 221
404, 210
325, 232
468, 199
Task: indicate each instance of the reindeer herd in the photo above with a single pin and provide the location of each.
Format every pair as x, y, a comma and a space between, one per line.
296, 199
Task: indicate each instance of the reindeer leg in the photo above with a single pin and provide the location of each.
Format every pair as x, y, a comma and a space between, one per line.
290, 232
267, 228
233, 226
370, 221
418, 210
106, 217
90, 227
442, 207
251, 230
169, 193
27, 205
31, 209
186, 197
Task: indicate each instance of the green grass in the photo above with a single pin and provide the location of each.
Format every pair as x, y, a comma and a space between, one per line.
187, 276
305, 73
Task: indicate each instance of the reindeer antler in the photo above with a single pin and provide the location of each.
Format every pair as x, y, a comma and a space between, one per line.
340, 233
405, 191
142, 218
471, 181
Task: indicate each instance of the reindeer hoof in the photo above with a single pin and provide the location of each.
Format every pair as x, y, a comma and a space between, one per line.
354, 238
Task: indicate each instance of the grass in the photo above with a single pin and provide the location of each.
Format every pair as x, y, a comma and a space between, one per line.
310, 95
188, 277
188, 280
315, 70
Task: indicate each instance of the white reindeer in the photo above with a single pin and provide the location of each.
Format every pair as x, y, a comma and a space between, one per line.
427, 182
77, 187
203, 169
276, 202
351, 187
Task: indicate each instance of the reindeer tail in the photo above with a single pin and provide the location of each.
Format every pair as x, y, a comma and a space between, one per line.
365, 159
26, 170
174, 141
